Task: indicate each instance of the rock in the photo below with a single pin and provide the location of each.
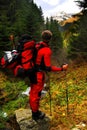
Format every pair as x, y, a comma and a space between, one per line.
24, 119
75, 129
80, 126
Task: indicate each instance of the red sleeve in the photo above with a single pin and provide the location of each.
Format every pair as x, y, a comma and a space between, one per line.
54, 68
47, 61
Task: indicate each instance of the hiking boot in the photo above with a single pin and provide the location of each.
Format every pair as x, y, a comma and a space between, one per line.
38, 115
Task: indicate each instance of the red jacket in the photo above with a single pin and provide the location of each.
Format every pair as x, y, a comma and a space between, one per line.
43, 59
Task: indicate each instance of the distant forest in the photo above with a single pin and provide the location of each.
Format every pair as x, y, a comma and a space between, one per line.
18, 17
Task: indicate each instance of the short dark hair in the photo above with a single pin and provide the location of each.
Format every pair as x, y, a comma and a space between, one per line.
46, 35
25, 38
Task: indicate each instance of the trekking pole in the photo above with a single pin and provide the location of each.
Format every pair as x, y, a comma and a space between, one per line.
64, 59
67, 97
49, 93
12, 41
50, 102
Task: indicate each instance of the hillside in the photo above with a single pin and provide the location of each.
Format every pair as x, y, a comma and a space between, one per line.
64, 18
68, 98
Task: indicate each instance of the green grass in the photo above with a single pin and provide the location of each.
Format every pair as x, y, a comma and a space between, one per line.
75, 84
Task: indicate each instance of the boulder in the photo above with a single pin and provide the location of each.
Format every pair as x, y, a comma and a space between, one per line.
24, 119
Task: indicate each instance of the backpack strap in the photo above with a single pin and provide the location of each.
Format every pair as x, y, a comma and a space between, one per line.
41, 45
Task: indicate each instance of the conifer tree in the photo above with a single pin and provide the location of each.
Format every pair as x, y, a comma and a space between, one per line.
78, 44
56, 42
18, 17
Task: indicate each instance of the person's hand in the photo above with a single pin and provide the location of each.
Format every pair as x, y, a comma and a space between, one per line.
65, 66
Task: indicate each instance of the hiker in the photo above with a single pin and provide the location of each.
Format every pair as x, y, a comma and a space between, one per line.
20, 60
24, 64
43, 64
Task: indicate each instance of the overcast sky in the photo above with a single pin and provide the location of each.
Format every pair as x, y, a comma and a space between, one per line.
52, 7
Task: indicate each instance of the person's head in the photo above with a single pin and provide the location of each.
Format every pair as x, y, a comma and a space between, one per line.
22, 40
46, 36
25, 38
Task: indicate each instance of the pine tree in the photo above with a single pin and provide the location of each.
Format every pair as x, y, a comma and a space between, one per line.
18, 17
78, 44
57, 41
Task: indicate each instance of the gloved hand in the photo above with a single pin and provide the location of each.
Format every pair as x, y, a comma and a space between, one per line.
65, 66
